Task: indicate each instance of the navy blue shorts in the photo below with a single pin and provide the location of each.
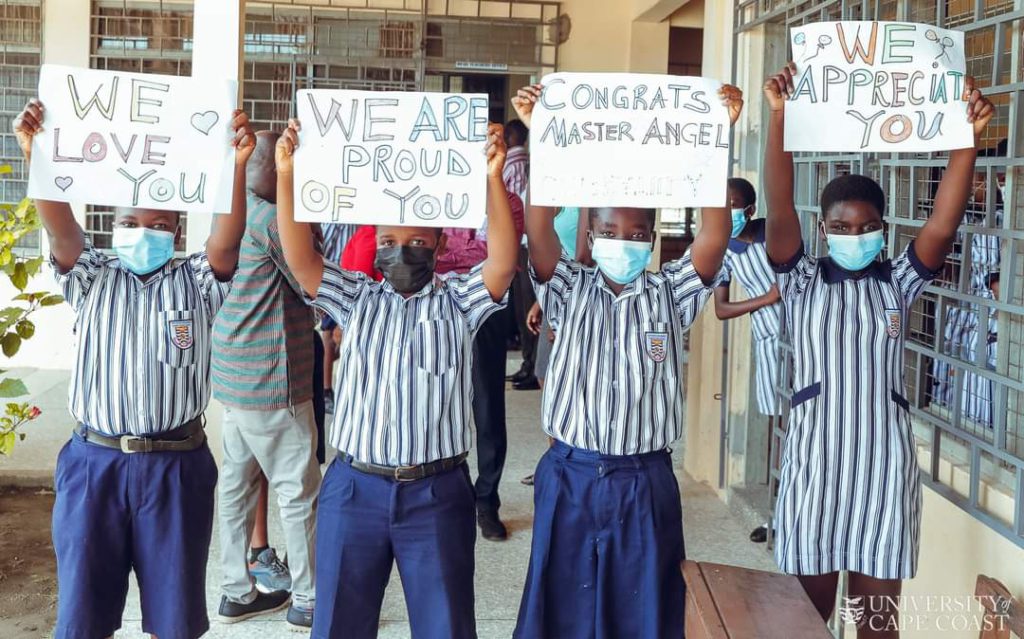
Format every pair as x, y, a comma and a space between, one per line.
147, 512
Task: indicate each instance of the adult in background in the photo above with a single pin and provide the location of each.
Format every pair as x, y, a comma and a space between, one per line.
465, 249
262, 370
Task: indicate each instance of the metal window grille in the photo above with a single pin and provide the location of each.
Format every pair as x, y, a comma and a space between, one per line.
964, 363
20, 50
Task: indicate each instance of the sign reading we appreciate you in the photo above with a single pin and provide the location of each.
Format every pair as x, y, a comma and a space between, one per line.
877, 86
131, 139
391, 158
622, 139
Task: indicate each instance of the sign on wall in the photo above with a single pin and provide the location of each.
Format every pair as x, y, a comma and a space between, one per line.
391, 158
130, 139
623, 139
877, 87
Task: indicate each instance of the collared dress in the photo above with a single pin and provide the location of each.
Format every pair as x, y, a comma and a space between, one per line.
748, 263
849, 493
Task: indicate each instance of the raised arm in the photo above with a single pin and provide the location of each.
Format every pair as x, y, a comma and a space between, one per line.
296, 237
226, 235
709, 246
67, 241
725, 309
783, 225
502, 237
936, 237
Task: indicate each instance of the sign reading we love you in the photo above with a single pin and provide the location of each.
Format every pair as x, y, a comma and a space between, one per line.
877, 86
130, 139
393, 158
624, 139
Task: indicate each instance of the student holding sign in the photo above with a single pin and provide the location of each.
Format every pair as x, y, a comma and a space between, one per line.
849, 495
135, 485
399, 489
608, 535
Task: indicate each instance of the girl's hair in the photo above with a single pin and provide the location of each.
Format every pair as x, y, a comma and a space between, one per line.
856, 188
745, 189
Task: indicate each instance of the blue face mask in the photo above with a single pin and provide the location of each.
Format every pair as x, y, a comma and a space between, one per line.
739, 220
143, 250
621, 260
855, 252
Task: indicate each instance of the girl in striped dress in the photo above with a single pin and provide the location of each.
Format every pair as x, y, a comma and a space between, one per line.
849, 493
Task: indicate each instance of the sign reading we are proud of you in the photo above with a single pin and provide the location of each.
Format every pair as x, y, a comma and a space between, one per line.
877, 86
130, 139
624, 139
392, 158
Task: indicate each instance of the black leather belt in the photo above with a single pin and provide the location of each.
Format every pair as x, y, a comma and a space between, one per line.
406, 473
181, 439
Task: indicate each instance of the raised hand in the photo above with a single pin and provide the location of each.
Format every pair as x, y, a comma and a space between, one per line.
779, 87
979, 108
286, 144
27, 124
245, 140
524, 101
496, 150
732, 99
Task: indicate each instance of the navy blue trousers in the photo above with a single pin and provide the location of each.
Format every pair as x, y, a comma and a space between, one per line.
147, 512
607, 547
365, 522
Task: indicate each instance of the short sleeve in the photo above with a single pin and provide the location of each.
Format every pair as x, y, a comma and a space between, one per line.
553, 294
472, 298
794, 275
726, 279
689, 293
338, 292
212, 291
75, 284
910, 275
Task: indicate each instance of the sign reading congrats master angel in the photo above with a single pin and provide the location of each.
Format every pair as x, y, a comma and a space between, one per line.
132, 139
391, 158
877, 86
622, 139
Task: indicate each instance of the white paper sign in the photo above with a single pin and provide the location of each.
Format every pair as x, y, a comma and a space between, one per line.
132, 139
391, 158
877, 86
625, 139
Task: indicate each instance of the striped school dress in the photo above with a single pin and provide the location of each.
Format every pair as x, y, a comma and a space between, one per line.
849, 493
748, 263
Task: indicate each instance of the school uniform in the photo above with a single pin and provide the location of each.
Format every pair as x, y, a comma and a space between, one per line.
976, 399
748, 263
140, 378
849, 492
608, 535
399, 489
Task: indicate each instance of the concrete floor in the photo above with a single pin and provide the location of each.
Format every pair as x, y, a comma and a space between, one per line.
712, 532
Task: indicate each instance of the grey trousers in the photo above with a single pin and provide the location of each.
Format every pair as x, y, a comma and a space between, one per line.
283, 444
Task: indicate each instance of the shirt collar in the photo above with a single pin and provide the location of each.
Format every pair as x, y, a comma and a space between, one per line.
427, 289
833, 273
636, 287
156, 275
739, 246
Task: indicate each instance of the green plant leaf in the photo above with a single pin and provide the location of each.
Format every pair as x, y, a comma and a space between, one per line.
12, 387
7, 443
20, 276
10, 344
26, 297
51, 300
33, 265
5, 169
25, 329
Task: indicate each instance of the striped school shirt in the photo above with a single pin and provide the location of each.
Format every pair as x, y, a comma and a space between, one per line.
748, 263
262, 356
849, 491
405, 365
613, 384
336, 237
142, 360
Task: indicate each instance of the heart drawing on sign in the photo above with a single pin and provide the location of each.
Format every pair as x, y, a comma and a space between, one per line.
203, 122
63, 182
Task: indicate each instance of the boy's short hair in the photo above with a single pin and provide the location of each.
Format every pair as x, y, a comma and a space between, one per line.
852, 188
652, 214
744, 188
992, 278
517, 127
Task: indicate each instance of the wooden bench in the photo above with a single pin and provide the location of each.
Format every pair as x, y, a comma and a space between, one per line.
729, 602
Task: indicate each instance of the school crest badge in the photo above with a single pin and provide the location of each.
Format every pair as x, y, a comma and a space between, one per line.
893, 322
657, 346
181, 333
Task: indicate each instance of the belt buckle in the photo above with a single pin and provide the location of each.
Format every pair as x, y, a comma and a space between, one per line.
398, 474
126, 443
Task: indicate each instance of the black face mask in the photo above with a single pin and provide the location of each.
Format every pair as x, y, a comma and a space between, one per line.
406, 268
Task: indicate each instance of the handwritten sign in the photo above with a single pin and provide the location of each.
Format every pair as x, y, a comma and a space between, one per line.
877, 86
391, 158
131, 139
623, 139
